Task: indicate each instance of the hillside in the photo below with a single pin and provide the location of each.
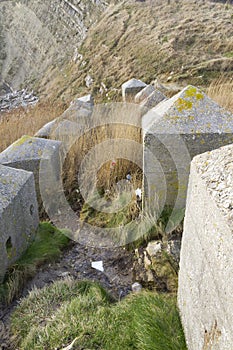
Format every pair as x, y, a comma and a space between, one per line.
184, 42
36, 35
51, 47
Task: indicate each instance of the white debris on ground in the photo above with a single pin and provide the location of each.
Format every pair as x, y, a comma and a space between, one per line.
97, 265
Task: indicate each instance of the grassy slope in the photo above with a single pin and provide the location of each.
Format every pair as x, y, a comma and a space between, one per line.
189, 40
192, 39
53, 317
46, 247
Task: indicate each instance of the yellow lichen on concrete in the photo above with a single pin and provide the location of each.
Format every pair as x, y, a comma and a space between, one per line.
182, 104
193, 92
22, 140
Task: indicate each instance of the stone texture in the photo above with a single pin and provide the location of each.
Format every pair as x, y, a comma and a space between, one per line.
152, 100
78, 110
18, 214
87, 99
154, 266
130, 88
71, 124
175, 131
46, 130
144, 93
205, 279
27, 153
153, 248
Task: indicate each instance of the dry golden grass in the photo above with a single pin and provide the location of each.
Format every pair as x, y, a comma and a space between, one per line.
28, 121
188, 41
107, 174
221, 91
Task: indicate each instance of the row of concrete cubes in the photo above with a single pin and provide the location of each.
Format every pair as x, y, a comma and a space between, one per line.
30, 181
191, 128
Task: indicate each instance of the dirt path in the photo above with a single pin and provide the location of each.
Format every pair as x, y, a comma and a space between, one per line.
76, 262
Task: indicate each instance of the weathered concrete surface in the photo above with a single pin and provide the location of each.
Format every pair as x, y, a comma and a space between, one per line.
153, 100
87, 99
175, 131
205, 295
130, 88
79, 112
144, 93
47, 129
27, 153
18, 214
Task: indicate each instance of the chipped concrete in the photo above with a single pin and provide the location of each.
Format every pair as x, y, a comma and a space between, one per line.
18, 214
205, 279
130, 88
27, 153
175, 131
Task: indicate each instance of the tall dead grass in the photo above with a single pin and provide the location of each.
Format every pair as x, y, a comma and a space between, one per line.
28, 121
221, 91
108, 172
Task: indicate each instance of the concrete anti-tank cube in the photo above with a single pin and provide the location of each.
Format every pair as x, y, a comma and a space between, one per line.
19, 218
178, 129
205, 295
79, 112
130, 88
27, 154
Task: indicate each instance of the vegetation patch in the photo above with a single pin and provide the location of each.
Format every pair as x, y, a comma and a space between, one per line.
45, 248
83, 314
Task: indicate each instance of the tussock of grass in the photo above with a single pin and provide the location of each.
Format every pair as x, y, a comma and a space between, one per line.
28, 121
53, 317
221, 90
46, 247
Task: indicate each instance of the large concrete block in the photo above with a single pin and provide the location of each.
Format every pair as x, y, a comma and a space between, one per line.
46, 130
28, 152
144, 93
78, 113
18, 214
64, 130
178, 129
153, 100
205, 295
87, 99
78, 110
130, 88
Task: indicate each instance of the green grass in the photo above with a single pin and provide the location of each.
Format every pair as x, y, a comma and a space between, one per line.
228, 54
67, 310
46, 247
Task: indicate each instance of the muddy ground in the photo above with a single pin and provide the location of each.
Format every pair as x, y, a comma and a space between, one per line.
75, 262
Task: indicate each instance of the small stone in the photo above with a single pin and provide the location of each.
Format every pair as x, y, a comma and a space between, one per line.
136, 287
89, 81
153, 248
147, 262
64, 274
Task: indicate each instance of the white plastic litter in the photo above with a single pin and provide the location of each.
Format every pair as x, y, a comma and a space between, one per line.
98, 265
138, 193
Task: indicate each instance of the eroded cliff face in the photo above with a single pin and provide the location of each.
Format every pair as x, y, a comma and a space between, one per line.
35, 34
